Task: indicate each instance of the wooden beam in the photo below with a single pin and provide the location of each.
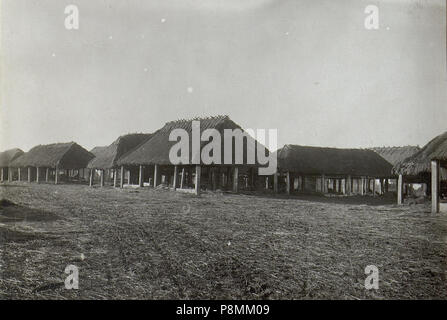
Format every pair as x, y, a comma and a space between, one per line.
323, 184
140, 177
400, 185
115, 177
214, 178
435, 186
92, 173
182, 180
2, 175
174, 183
19, 174
101, 183
9, 174
288, 182
56, 175
37, 174
122, 177
29, 174
47, 174
198, 176
275, 182
155, 175
235, 179
348, 185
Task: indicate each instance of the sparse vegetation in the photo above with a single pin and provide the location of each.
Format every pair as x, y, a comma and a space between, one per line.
157, 244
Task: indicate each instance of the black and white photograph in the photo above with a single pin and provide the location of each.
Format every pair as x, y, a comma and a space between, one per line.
243, 151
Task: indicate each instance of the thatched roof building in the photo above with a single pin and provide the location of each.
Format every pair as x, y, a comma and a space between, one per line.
107, 157
6, 157
63, 155
156, 150
419, 163
394, 155
332, 161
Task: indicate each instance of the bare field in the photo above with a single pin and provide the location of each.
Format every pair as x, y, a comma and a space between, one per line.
159, 244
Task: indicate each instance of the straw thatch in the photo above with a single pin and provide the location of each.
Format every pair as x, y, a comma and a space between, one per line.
6, 157
106, 157
64, 155
156, 150
419, 163
394, 155
332, 161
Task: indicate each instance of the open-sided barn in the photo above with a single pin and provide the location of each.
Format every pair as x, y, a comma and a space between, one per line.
55, 157
152, 162
344, 171
6, 157
427, 165
106, 158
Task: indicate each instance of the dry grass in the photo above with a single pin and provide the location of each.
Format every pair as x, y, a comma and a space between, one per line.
156, 244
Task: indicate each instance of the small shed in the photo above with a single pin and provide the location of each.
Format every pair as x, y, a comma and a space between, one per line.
56, 159
6, 157
105, 160
152, 162
428, 164
330, 170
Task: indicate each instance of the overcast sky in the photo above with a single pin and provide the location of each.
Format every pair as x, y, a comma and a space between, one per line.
308, 68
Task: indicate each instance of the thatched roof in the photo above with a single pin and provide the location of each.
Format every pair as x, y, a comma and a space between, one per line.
420, 162
156, 150
332, 161
6, 157
106, 157
65, 155
395, 155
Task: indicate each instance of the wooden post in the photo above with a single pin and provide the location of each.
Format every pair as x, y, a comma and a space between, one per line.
288, 182
47, 174
323, 184
128, 177
386, 185
266, 183
9, 175
56, 175
214, 178
175, 178
102, 177
362, 186
400, 185
2, 175
92, 173
155, 175
374, 187
348, 185
197, 184
182, 180
235, 179
122, 177
140, 177
37, 174
20, 174
435, 186
275, 182
115, 177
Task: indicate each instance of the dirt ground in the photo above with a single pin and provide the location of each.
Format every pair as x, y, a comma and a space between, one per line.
159, 244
